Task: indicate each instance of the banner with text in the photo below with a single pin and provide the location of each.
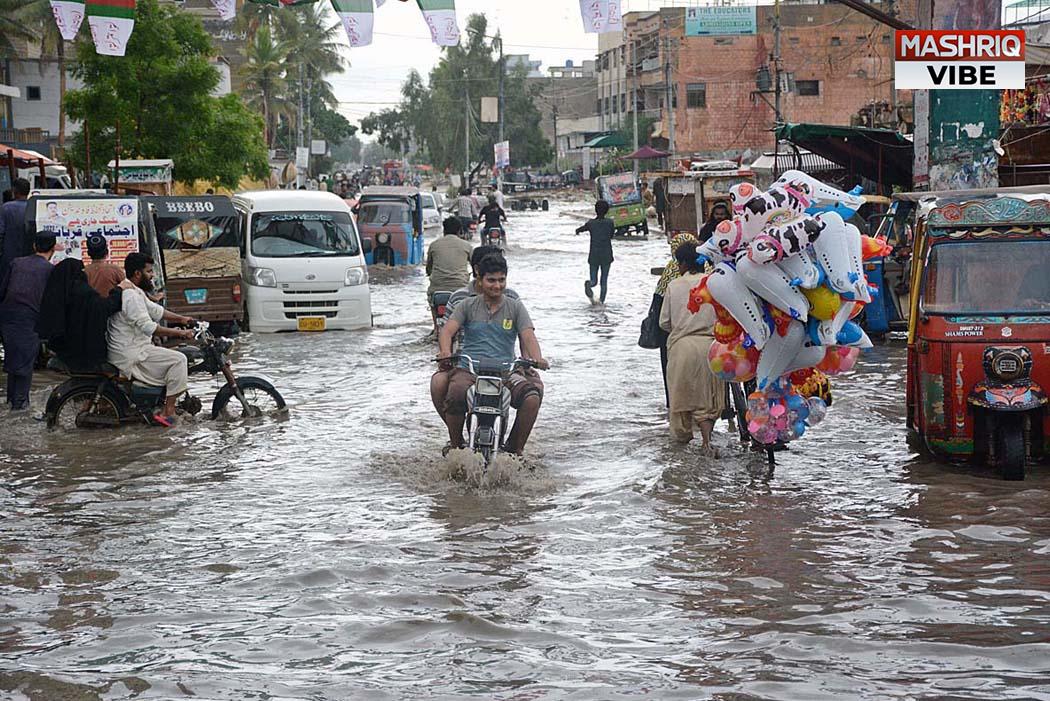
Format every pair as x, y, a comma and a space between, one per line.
73, 221
714, 21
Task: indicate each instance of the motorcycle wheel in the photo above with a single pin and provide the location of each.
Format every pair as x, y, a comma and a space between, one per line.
71, 411
262, 397
1009, 447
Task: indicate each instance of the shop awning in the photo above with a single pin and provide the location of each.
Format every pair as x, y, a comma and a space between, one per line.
606, 141
802, 160
23, 157
647, 152
883, 156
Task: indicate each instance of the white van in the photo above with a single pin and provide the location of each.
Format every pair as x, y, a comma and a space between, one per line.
302, 262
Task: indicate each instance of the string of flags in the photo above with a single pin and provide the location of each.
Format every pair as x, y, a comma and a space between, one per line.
112, 21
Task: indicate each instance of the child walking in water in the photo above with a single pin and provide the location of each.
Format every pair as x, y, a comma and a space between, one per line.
600, 257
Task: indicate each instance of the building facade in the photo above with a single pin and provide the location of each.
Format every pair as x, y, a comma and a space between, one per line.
836, 66
565, 95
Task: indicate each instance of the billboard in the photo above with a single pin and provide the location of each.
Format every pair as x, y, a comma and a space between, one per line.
72, 221
715, 21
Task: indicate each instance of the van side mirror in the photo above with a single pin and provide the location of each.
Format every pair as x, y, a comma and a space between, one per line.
366, 246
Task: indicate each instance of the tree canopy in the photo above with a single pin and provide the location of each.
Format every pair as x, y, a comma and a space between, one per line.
434, 115
159, 97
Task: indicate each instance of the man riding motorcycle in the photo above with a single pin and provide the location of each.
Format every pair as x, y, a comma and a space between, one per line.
130, 338
490, 217
491, 323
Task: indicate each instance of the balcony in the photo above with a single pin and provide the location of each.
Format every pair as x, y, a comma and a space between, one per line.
33, 139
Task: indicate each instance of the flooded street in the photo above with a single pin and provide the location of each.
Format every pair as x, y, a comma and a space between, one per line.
336, 555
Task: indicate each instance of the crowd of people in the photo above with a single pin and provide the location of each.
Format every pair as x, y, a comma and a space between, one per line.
87, 315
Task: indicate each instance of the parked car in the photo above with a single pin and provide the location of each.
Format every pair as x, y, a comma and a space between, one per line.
431, 210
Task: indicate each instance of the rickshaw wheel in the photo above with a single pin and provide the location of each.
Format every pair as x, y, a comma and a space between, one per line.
1009, 448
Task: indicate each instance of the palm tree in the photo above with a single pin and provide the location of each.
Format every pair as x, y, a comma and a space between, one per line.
13, 27
265, 76
38, 15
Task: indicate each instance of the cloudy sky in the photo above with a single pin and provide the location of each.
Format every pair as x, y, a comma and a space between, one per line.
549, 30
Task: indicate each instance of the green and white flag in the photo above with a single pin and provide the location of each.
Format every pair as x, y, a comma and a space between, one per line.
441, 18
111, 22
68, 16
357, 20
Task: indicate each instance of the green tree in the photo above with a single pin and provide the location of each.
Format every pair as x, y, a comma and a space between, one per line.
437, 114
373, 153
349, 151
14, 26
157, 102
264, 77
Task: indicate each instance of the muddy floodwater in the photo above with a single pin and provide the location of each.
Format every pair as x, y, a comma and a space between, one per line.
335, 555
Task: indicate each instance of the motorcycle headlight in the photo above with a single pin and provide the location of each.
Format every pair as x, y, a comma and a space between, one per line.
263, 277
1007, 366
355, 277
489, 387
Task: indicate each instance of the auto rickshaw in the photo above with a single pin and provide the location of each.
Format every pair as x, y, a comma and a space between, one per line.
392, 219
624, 196
979, 327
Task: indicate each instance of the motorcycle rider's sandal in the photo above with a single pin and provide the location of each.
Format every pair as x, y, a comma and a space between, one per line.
165, 421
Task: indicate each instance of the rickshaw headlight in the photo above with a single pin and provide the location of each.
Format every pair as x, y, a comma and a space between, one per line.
383, 238
355, 277
1007, 366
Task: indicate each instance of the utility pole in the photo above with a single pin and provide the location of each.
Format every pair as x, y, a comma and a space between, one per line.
634, 97
776, 86
669, 96
299, 125
554, 113
499, 171
466, 131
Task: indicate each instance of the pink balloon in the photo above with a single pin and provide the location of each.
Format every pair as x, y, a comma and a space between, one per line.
777, 410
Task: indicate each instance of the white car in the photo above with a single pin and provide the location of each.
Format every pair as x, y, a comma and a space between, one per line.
303, 261
431, 210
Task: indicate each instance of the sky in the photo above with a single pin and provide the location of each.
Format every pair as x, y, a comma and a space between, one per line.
549, 30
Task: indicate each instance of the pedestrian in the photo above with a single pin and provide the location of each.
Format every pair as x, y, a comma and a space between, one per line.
447, 263
13, 242
101, 275
720, 212
600, 256
670, 274
647, 195
20, 293
660, 201
697, 396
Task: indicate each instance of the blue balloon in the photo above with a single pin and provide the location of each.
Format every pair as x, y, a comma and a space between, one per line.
800, 428
795, 402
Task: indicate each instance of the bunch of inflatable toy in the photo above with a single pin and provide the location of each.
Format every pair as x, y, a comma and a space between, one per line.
788, 279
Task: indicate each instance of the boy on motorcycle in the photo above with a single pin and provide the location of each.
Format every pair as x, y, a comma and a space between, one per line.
491, 323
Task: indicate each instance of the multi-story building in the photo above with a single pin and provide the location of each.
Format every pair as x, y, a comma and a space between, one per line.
564, 97
835, 63
612, 100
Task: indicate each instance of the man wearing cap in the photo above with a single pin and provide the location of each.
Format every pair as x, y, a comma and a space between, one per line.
21, 290
101, 275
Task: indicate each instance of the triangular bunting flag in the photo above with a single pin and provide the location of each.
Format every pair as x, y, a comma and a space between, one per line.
601, 16
227, 9
441, 18
111, 22
68, 16
379, 3
357, 20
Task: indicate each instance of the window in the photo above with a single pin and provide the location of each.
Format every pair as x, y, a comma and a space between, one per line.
723, 41
885, 38
623, 103
615, 105
861, 40
606, 110
316, 234
974, 278
836, 41
793, 40
615, 58
598, 106
696, 95
33, 93
807, 87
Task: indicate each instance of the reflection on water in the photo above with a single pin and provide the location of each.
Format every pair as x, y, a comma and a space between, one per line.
336, 554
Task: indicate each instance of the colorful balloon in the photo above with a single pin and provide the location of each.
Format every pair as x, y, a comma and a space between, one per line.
838, 359
824, 302
802, 270
733, 362
773, 285
729, 290
779, 352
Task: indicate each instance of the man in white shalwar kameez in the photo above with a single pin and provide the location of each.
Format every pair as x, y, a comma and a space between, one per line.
130, 338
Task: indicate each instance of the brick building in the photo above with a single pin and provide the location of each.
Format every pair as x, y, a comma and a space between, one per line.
838, 62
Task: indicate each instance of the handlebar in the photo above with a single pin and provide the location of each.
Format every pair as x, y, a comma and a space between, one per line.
517, 362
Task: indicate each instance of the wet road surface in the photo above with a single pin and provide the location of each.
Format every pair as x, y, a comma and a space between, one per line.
335, 555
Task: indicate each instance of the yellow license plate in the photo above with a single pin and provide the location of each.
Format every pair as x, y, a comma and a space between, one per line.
312, 323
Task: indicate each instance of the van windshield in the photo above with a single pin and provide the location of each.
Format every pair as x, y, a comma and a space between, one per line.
304, 235
988, 277
383, 213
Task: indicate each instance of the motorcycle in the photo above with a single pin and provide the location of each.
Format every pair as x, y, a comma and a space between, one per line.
101, 398
488, 404
495, 236
439, 305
